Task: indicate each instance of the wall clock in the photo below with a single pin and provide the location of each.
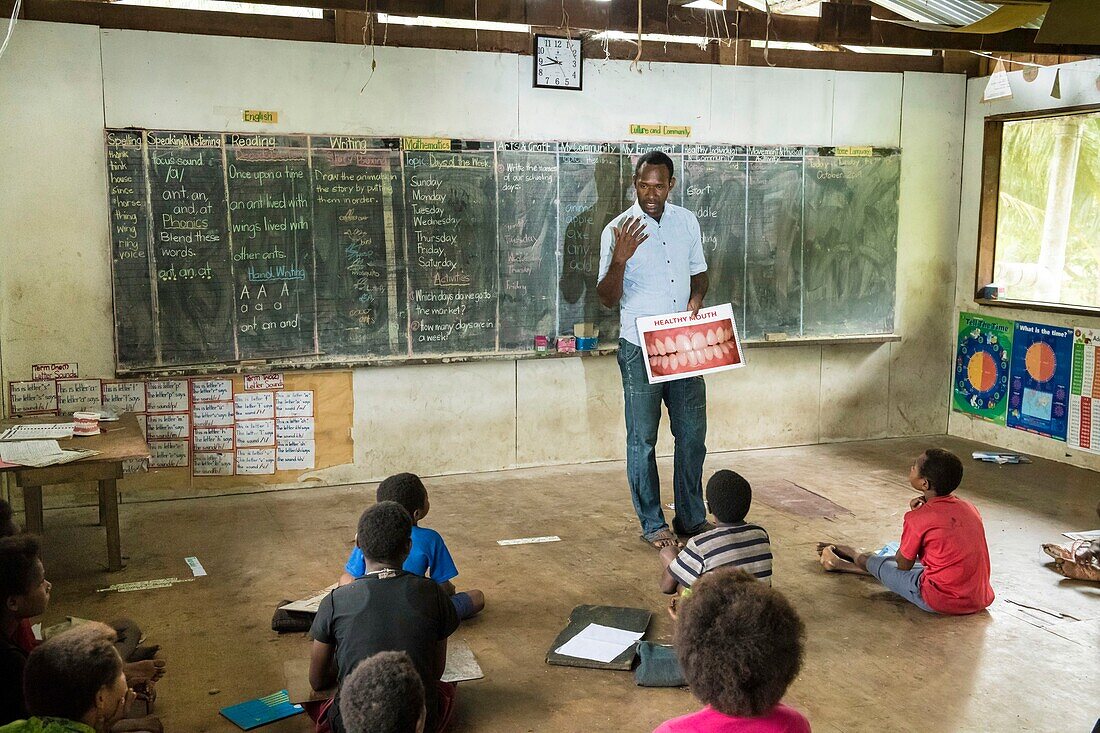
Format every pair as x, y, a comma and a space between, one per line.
558, 62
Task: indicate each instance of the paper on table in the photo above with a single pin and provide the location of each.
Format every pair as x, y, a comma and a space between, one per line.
38, 432
68, 456
600, 643
39, 453
30, 452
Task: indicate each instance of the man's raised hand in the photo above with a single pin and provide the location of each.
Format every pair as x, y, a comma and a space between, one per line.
629, 235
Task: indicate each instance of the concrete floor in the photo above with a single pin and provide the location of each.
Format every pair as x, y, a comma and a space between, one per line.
873, 663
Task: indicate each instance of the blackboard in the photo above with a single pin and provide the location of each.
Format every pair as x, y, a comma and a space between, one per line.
271, 236
358, 225
591, 194
851, 220
131, 259
313, 249
527, 175
714, 184
193, 287
451, 237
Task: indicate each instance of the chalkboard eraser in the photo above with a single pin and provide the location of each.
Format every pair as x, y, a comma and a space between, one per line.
776, 336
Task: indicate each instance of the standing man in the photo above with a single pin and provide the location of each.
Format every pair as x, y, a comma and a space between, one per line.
651, 263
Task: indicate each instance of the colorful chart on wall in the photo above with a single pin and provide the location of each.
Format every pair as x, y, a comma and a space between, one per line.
1084, 392
1038, 388
982, 366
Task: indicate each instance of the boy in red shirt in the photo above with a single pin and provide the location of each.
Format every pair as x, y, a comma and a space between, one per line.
943, 531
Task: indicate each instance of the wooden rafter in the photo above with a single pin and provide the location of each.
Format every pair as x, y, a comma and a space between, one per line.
346, 26
659, 17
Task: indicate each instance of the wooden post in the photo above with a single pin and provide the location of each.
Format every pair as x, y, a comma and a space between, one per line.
32, 509
108, 493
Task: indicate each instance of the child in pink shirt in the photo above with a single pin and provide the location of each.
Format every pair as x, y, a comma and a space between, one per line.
740, 646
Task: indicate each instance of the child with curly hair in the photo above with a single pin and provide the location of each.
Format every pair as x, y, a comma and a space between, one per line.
740, 644
383, 694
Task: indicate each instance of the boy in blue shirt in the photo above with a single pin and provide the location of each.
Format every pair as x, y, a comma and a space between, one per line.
429, 555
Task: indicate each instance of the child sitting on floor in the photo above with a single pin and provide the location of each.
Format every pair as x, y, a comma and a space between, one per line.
388, 609
733, 542
740, 645
383, 694
25, 594
74, 683
943, 531
429, 555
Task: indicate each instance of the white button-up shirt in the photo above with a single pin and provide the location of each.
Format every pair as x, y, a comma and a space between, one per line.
657, 279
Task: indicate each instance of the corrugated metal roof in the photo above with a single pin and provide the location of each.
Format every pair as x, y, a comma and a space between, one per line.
947, 12
943, 12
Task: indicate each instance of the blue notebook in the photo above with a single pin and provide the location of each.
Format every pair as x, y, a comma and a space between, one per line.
262, 710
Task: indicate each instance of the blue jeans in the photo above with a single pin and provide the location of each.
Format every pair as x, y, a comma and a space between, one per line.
906, 583
686, 400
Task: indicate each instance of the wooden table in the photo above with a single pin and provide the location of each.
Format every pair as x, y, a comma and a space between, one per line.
118, 442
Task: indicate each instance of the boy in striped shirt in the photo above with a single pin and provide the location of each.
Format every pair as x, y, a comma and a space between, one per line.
734, 542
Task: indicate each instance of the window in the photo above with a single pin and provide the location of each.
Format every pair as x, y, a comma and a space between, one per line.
1040, 216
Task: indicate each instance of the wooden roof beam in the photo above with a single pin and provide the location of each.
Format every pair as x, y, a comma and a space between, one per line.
659, 17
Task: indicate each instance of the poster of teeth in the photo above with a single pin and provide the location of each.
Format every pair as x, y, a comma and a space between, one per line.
680, 345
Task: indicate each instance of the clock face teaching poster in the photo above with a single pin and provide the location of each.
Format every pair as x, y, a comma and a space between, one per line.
980, 379
1038, 390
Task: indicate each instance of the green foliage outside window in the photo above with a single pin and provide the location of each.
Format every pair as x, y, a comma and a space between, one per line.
1048, 215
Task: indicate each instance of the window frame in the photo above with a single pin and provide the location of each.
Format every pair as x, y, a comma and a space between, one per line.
987, 212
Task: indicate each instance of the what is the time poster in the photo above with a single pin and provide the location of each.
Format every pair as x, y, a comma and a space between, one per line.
1039, 384
1084, 393
980, 379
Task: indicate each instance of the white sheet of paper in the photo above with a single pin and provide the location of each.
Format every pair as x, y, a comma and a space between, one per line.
255, 461
311, 604
212, 463
168, 395
79, 395
295, 455
30, 452
1085, 535
124, 396
213, 414
600, 643
29, 397
39, 432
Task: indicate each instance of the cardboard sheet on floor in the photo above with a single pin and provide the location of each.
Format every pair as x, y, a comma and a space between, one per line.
628, 619
793, 499
462, 665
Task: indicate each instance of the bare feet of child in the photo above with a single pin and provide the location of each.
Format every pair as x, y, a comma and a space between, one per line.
1057, 551
839, 559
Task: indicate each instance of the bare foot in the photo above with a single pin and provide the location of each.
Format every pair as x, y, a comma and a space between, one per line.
835, 564
1057, 551
1076, 571
844, 552
150, 670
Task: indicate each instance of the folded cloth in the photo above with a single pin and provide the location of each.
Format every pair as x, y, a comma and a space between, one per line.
289, 622
658, 666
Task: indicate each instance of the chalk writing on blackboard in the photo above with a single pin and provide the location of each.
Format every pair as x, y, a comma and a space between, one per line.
231, 247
